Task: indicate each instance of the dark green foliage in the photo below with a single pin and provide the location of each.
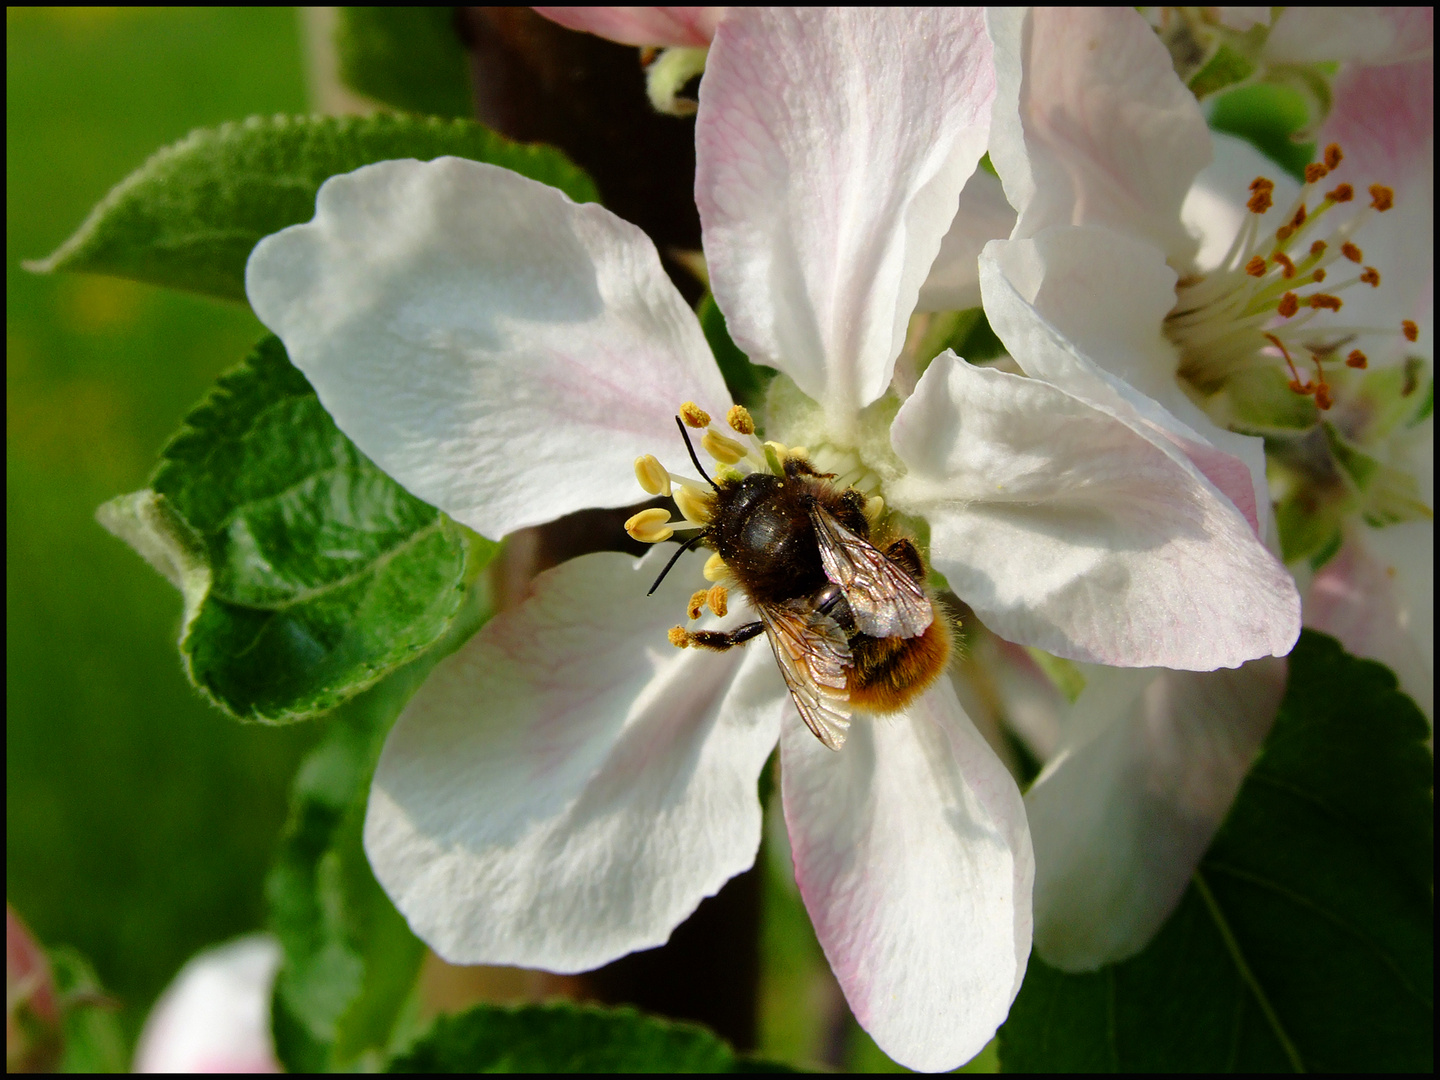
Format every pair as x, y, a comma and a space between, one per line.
746, 381
409, 57
1306, 940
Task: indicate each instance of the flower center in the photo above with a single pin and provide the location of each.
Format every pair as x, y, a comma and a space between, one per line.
1271, 302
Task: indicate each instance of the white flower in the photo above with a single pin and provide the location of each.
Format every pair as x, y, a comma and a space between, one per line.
1103, 152
215, 1015
567, 787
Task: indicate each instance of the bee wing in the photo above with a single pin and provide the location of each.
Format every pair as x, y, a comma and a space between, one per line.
813, 654
886, 601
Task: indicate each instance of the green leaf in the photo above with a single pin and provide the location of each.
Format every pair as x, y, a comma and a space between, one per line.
308, 573
564, 1038
409, 57
350, 960
1268, 115
746, 381
189, 217
1228, 66
1306, 940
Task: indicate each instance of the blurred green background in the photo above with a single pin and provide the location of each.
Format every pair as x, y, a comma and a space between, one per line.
139, 822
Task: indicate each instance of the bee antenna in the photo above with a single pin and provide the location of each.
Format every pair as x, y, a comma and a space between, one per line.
686, 436
674, 559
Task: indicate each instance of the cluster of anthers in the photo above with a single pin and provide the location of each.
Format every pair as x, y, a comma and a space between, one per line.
735, 456
1259, 305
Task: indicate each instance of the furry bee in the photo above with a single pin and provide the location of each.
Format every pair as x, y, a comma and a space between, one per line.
852, 625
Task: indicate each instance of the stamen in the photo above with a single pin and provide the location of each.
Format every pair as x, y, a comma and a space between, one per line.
1299, 218
715, 569
740, 420
1317, 248
1382, 198
693, 415
1333, 156
722, 448
1284, 232
1260, 202
874, 507
1371, 277
1315, 172
696, 607
652, 475
1411, 331
1256, 266
1287, 266
650, 526
679, 637
1319, 275
1289, 305
1261, 183
1342, 193
1357, 359
1351, 252
719, 600
695, 504
1321, 300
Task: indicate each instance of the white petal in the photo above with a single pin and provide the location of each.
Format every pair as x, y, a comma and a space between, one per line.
913, 858
1377, 595
831, 148
1312, 35
1147, 770
568, 786
215, 1015
690, 26
1105, 296
502, 352
1214, 208
1065, 529
1092, 126
984, 215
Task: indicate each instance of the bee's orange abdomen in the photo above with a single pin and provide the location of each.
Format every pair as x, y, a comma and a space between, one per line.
889, 673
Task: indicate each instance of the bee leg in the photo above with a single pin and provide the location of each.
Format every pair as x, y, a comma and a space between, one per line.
904, 554
720, 640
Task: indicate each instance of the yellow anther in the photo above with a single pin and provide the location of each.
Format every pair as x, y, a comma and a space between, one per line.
718, 599
652, 475
696, 607
874, 507
775, 454
799, 452
740, 420
693, 415
694, 505
727, 472
715, 569
650, 526
679, 637
722, 448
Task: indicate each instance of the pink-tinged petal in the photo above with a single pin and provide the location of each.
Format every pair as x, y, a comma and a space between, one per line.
1092, 126
215, 1016
1378, 597
1146, 771
34, 1036
1214, 209
1242, 18
984, 215
568, 786
501, 351
831, 149
1104, 297
914, 862
693, 26
1066, 529
1313, 35
1384, 120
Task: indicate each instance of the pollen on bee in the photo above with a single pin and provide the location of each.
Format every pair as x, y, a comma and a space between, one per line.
1382, 198
696, 607
694, 504
722, 448
718, 599
693, 415
650, 526
740, 420
652, 475
1412, 332
715, 569
679, 637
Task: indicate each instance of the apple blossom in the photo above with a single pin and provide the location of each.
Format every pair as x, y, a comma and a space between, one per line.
215, 1015
567, 787
1153, 268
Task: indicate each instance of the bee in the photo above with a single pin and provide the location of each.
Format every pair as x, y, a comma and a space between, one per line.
851, 623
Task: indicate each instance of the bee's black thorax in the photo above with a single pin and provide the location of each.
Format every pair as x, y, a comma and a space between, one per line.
762, 528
